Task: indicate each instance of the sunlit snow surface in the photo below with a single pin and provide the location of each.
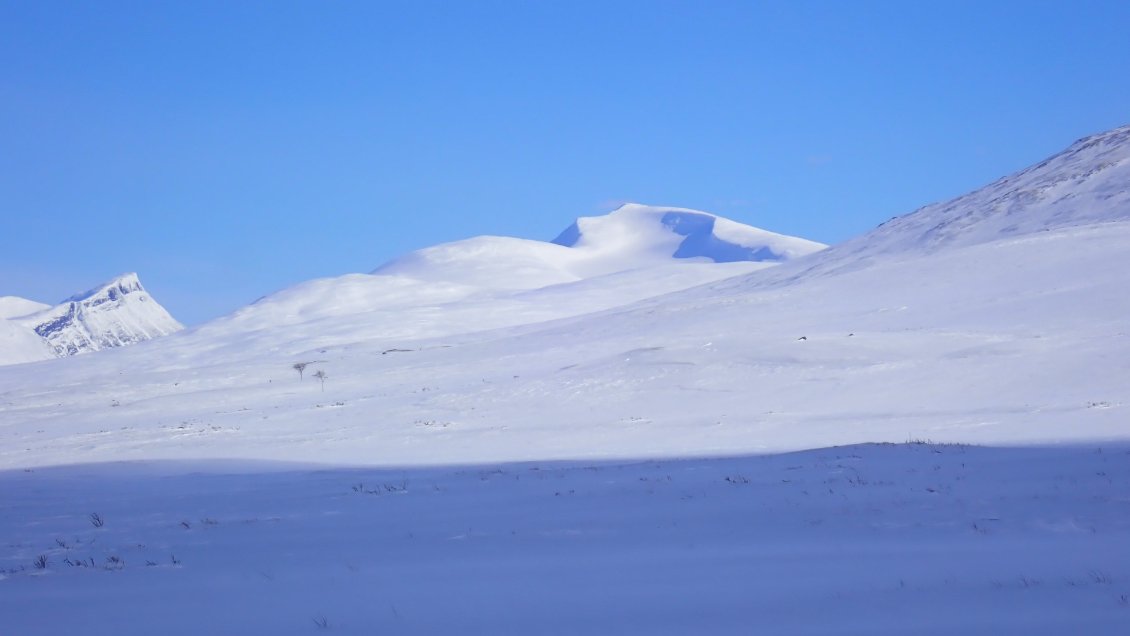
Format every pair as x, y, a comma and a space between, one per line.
613, 454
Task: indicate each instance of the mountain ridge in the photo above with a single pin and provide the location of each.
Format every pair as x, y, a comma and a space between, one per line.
117, 313
1087, 183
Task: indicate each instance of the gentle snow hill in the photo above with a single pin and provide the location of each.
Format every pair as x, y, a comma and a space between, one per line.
17, 342
20, 344
14, 306
489, 282
631, 237
1015, 337
115, 314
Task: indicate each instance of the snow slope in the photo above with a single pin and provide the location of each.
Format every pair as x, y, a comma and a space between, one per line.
17, 342
20, 344
489, 282
115, 314
14, 306
1086, 184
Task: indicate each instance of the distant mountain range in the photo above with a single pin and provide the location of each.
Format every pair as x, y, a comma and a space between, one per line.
996, 317
634, 253
629, 241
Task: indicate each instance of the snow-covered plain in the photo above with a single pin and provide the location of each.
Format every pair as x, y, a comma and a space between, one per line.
899, 539
610, 449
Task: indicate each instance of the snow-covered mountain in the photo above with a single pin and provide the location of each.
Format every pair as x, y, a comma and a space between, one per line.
115, 314
489, 282
1086, 184
648, 232
629, 238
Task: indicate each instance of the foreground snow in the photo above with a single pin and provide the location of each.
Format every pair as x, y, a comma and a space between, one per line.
875, 539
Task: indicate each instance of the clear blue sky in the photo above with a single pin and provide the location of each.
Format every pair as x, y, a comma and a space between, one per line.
225, 150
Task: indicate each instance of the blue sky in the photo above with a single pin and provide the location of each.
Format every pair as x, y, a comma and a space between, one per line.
225, 150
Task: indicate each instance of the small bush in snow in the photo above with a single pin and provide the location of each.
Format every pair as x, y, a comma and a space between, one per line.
300, 367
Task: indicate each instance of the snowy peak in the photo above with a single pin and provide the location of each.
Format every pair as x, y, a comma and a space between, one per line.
662, 232
633, 237
1087, 183
111, 291
118, 313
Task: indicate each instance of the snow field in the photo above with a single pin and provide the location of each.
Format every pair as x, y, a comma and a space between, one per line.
872, 539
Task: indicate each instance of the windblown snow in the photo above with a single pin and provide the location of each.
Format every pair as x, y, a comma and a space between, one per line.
627, 430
